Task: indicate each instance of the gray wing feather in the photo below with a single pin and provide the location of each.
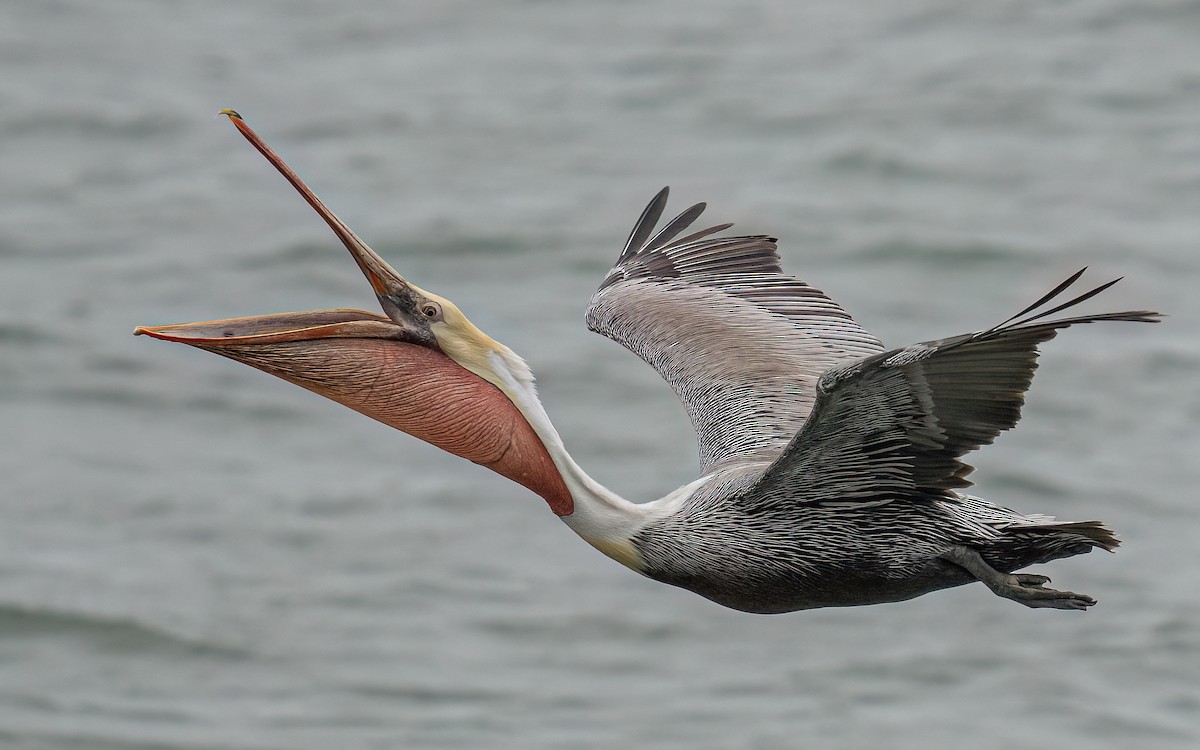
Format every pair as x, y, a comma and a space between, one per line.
894, 426
741, 344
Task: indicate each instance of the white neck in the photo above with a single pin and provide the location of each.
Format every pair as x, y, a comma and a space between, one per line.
603, 518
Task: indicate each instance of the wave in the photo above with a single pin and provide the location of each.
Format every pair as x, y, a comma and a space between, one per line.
108, 632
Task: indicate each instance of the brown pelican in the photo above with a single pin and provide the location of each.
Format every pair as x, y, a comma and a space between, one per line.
831, 469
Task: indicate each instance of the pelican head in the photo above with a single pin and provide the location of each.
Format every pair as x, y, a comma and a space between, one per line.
422, 367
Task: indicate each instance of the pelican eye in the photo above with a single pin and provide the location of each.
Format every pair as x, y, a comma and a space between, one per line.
431, 310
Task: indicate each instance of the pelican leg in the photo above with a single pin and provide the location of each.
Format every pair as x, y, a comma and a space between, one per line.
1026, 588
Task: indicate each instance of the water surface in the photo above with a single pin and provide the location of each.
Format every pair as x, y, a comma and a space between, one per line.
196, 555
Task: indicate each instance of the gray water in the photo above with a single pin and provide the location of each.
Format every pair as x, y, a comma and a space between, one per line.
195, 555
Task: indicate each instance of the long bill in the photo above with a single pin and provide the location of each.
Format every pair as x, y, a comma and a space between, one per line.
389, 368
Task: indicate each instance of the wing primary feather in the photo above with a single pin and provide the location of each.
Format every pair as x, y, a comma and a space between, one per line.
1046, 298
1076, 301
676, 225
645, 223
703, 233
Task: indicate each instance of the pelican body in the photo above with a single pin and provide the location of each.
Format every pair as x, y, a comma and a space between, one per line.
831, 471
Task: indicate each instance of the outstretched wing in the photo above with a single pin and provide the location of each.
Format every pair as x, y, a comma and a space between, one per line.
741, 344
893, 426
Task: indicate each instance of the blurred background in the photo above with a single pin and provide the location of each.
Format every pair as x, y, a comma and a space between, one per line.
193, 554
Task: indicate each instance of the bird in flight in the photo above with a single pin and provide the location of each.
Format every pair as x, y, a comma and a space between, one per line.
831, 468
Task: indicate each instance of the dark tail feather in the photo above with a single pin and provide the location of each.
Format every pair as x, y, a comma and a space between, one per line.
1023, 546
1094, 532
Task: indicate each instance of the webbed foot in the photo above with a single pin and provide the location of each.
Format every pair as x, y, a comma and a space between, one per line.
1027, 588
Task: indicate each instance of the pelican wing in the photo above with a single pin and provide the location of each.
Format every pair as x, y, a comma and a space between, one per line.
893, 427
741, 344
